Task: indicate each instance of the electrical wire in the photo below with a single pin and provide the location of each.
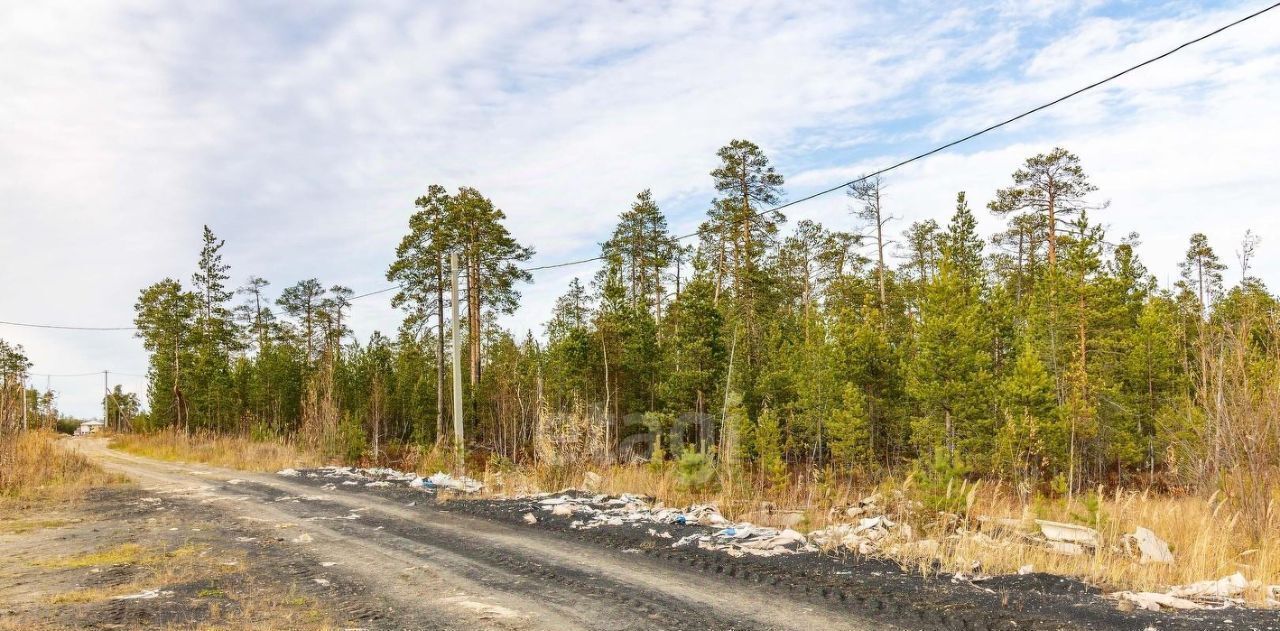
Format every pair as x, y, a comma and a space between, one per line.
831, 189
70, 328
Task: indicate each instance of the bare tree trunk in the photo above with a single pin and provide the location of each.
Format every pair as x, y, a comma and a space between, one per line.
440, 431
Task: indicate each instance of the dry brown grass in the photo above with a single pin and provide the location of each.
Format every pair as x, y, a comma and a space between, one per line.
235, 452
1208, 539
34, 467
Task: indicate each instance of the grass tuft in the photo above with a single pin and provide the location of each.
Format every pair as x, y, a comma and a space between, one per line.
34, 467
235, 452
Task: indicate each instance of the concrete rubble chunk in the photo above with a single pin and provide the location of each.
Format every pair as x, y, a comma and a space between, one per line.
1153, 548
1153, 601
1065, 547
1198, 595
1226, 587
1070, 533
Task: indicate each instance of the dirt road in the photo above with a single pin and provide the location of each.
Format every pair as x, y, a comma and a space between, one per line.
395, 558
435, 568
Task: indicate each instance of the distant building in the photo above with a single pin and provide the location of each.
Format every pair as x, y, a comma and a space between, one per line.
92, 426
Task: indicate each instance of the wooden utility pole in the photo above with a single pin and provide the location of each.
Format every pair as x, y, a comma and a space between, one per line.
24, 404
106, 400
458, 441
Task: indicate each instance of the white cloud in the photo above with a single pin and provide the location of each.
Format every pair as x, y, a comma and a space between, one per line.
302, 134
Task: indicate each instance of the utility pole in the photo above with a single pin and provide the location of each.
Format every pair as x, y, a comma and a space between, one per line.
106, 400
458, 441
24, 404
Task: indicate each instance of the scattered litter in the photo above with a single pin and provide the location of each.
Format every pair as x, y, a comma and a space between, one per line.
328, 563
379, 483
530, 519
463, 484
234, 481
1153, 548
229, 563
1026, 569
303, 538
330, 487
1152, 601
1226, 588
288, 473
323, 582
737, 539
1220, 593
864, 537
246, 539
146, 594
631, 550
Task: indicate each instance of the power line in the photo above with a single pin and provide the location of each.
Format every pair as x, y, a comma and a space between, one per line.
837, 187
84, 374
939, 148
70, 328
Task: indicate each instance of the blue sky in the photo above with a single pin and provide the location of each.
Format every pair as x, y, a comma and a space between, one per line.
301, 133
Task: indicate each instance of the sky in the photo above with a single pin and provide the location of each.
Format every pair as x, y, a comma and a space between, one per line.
301, 133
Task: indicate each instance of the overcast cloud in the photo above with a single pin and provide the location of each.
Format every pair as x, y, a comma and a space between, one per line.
302, 132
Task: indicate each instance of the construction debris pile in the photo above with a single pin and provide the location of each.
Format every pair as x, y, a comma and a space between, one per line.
736, 539
870, 532
384, 476
1224, 592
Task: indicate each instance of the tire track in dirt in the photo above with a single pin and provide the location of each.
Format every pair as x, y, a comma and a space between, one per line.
479, 573
514, 575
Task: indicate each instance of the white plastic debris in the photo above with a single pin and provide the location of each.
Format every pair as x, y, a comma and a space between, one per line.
323, 582
463, 484
146, 594
529, 518
288, 473
303, 538
1026, 569
376, 477
1153, 548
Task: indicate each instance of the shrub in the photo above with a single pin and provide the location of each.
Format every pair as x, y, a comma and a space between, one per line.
695, 470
